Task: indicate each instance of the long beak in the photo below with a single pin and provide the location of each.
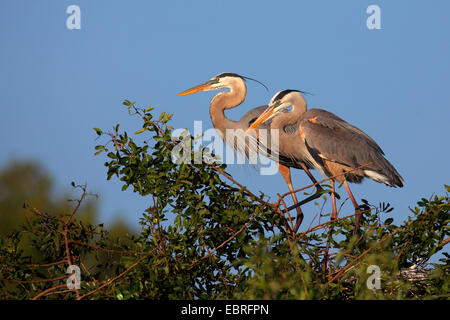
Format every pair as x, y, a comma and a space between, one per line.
263, 117
201, 87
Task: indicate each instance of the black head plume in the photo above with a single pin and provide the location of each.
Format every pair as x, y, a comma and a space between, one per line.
281, 94
231, 74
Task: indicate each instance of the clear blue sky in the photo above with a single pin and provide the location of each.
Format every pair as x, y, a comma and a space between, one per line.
57, 84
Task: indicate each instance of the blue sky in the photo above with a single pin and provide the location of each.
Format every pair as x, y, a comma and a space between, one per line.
57, 84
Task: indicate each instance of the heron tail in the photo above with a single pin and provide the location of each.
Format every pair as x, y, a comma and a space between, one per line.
384, 172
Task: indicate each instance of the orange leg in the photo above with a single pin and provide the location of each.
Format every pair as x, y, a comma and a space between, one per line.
355, 204
318, 187
334, 213
286, 173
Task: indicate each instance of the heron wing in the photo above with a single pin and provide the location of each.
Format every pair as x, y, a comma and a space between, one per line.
335, 121
329, 137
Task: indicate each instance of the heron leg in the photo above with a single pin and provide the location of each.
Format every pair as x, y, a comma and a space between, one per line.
334, 213
316, 195
286, 173
318, 187
355, 204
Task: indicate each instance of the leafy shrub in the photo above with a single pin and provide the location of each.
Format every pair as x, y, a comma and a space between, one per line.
205, 236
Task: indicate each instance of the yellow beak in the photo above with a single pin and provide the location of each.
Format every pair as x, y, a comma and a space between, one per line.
262, 118
201, 87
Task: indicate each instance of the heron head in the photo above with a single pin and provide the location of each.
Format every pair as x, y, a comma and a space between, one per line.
281, 101
225, 80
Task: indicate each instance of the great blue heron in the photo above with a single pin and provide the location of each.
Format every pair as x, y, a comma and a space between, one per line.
334, 147
234, 97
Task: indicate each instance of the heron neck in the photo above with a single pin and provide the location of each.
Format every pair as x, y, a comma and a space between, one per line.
226, 100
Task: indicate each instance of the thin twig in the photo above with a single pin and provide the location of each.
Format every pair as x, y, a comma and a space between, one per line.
43, 265
105, 249
35, 280
48, 290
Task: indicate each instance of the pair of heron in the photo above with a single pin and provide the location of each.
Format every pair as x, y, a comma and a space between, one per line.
307, 139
